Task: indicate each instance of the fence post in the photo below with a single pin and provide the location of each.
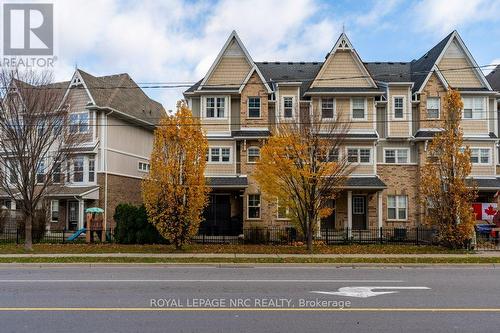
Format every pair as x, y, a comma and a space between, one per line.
380, 233
327, 230
416, 240
17, 235
63, 235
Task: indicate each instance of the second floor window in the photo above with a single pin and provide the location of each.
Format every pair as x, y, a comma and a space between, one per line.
480, 156
78, 170
57, 173
215, 107
474, 108
219, 154
79, 122
433, 108
288, 107
399, 156
358, 108
253, 107
327, 108
398, 107
40, 172
91, 170
330, 155
359, 155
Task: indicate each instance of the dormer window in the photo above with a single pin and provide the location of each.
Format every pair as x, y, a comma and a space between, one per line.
288, 107
399, 107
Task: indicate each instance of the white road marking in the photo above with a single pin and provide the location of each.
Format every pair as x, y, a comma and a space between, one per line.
192, 280
365, 292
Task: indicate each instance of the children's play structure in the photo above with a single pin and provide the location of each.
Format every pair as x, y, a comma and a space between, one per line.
93, 229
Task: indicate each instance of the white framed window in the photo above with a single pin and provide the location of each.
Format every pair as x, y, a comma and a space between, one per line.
78, 169
330, 155
327, 108
359, 155
399, 107
253, 107
480, 155
433, 106
215, 107
144, 166
219, 155
79, 122
399, 155
253, 204
54, 211
358, 108
40, 172
57, 175
288, 106
91, 170
474, 108
397, 207
282, 211
253, 154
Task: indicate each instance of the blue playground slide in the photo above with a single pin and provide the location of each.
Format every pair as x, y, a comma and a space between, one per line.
76, 234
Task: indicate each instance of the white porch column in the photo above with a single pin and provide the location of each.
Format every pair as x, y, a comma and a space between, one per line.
349, 212
81, 213
379, 211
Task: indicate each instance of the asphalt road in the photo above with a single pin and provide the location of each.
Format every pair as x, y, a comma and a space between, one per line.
162, 298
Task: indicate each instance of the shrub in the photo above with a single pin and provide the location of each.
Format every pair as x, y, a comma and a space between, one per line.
132, 226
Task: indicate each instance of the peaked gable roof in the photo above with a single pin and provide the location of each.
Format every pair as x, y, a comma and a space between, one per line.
423, 67
232, 47
119, 92
343, 44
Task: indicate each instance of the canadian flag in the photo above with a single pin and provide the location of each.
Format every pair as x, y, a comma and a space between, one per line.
484, 211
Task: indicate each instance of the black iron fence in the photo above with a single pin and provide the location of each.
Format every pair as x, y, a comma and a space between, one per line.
47, 236
283, 235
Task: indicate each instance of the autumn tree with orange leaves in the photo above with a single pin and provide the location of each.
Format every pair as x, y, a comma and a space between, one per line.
174, 191
301, 168
447, 196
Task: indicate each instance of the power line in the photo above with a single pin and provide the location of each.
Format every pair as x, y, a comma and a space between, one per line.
180, 84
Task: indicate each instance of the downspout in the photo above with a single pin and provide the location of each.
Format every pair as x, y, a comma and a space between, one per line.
105, 165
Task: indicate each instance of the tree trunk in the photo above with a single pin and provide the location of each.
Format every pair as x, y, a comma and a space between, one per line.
28, 238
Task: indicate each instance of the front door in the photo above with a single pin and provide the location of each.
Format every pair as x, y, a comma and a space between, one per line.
328, 222
217, 215
358, 212
73, 215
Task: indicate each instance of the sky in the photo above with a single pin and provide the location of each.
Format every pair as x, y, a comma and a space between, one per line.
176, 41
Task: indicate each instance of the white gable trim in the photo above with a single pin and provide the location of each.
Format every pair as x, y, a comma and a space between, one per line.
479, 73
343, 43
440, 76
77, 75
255, 69
221, 53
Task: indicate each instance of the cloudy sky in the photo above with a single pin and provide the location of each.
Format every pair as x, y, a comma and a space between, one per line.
176, 41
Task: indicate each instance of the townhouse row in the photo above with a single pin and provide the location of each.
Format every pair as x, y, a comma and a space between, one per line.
393, 110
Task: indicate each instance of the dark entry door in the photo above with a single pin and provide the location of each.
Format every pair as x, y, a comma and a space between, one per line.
358, 212
217, 215
328, 222
73, 215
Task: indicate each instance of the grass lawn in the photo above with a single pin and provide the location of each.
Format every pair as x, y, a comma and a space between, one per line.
273, 260
226, 248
